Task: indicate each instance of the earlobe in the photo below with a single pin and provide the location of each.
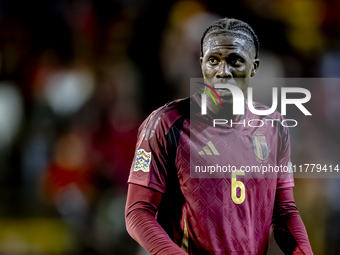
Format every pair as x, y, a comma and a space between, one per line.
201, 59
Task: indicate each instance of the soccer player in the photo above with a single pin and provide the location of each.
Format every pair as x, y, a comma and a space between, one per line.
169, 212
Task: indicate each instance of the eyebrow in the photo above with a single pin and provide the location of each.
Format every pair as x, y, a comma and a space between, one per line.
215, 52
231, 54
237, 54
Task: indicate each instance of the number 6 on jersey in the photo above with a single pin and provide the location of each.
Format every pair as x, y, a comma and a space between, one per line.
237, 184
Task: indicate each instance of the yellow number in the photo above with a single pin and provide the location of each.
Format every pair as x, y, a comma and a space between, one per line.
237, 184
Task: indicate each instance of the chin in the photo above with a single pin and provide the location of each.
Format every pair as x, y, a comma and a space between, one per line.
227, 100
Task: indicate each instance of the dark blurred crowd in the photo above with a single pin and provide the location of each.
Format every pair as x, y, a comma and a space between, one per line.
77, 78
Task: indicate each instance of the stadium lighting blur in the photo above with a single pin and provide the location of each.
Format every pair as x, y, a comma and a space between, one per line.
67, 91
11, 111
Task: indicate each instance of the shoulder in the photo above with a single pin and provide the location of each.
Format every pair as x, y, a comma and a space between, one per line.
262, 107
275, 120
161, 120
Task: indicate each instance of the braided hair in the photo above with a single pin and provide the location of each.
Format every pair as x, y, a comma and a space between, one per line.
234, 28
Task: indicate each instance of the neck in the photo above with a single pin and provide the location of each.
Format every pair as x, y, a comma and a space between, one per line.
222, 112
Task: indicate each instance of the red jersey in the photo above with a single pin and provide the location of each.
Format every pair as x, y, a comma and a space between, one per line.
204, 212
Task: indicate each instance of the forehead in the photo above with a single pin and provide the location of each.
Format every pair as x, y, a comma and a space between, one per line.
222, 42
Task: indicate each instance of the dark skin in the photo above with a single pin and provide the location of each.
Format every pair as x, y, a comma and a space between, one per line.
225, 60
231, 60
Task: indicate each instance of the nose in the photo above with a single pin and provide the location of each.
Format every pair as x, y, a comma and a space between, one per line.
224, 71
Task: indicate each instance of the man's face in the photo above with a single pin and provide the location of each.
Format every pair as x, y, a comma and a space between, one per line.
228, 59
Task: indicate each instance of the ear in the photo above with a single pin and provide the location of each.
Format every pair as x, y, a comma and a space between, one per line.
201, 62
256, 65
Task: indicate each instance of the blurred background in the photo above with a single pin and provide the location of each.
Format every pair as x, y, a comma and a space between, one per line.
77, 78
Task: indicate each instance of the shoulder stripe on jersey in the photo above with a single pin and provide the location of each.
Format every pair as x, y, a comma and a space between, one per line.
149, 124
148, 131
154, 127
149, 119
153, 123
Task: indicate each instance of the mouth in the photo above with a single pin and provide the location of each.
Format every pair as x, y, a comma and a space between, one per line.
224, 93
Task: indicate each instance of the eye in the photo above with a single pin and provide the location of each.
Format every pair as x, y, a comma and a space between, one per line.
212, 61
236, 61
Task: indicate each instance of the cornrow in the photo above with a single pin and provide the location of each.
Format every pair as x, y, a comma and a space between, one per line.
233, 27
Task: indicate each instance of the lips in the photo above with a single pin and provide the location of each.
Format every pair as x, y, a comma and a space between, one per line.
224, 93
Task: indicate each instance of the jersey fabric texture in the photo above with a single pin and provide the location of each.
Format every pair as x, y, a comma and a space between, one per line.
201, 214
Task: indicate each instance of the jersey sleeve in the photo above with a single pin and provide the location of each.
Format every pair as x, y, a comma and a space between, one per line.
140, 211
285, 177
152, 159
289, 230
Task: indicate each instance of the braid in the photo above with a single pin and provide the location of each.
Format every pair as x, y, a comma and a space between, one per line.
232, 27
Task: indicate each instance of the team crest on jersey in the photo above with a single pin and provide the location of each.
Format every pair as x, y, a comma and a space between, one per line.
260, 146
142, 161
